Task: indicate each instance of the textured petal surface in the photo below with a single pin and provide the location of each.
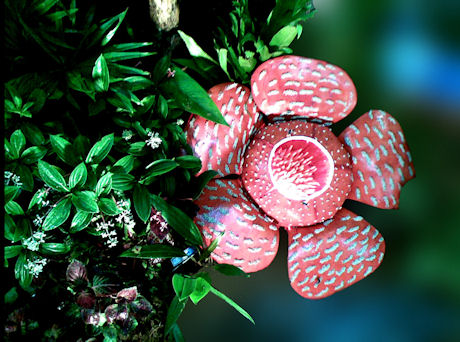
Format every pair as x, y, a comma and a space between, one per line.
250, 239
292, 85
219, 147
287, 212
381, 160
333, 255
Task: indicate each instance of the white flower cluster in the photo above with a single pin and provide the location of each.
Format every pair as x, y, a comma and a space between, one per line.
33, 242
179, 122
127, 134
125, 217
35, 267
10, 176
154, 140
42, 202
107, 233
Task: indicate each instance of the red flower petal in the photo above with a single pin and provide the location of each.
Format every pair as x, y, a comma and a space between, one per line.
333, 255
305, 87
250, 239
219, 147
290, 212
382, 163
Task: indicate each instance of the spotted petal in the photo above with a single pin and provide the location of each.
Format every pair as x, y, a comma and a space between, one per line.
249, 240
381, 160
220, 147
292, 85
333, 255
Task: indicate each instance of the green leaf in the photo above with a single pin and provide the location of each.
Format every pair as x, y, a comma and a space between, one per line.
222, 55
201, 182
117, 56
163, 106
18, 141
80, 221
54, 248
129, 46
127, 163
230, 270
10, 192
11, 296
191, 97
58, 215
85, 201
63, 149
100, 150
175, 309
118, 19
202, 288
12, 251
183, 286
52, 177
104, 184
101, 74
21, 273
78, 176
12, 232
193, 48
137, 148
153, 251
33, 154
284, 37
161, 67
122, 181
142, 202
176, 333
178, 220
232, 304
188, 162
33, 134
108, 206
13, 208
161, 166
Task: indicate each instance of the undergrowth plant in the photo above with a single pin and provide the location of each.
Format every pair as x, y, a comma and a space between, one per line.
99, 180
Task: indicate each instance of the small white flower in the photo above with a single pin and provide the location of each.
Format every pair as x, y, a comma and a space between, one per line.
154, 140
33, 242
35, 267
179, 122
127, 134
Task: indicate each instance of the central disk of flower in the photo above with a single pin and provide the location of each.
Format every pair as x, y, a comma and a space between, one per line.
300, 168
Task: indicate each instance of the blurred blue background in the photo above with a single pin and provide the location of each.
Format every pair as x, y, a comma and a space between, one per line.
404, 57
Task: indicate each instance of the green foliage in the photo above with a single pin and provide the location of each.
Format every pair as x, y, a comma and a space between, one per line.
247, 39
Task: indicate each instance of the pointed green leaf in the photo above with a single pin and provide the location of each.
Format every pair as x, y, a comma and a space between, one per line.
118, 19
183, 286
33, 134
13, 208
33, 154
193, 48
161, 166
18, 141
58, 215
10, 192
108, 206
178, 220
101, 74
142, 202
175, 309
191, 97
238, 308
63, 149
188, 162
54, 248
100, 150
127, 163
80, 221
104, 184
122, 181
21, 272
230, 270
51, 176
78, 176
12, 251
202, 288
27, 180
85, 201
284, 37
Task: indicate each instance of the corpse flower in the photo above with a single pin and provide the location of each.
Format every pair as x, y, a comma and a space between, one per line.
280, 165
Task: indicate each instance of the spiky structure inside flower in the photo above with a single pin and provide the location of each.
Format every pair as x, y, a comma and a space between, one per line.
296, 174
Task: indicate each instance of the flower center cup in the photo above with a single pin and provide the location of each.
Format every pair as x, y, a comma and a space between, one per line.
300, 168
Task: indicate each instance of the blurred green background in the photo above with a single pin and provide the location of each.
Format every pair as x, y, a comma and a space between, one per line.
404, 57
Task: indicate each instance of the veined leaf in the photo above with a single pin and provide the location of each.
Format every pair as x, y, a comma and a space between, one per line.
12, 251
183, 286
54, 248
80, 221
63, 149
18, 141
122, 181
116, 56
101, 74
85, 201
202, 288
106, 25
188, 162
108, 206
78, 176
127, 163
284, 37
104, 184
175, 309
51, 176
33, 154
100, 149
161, 166
58, 215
